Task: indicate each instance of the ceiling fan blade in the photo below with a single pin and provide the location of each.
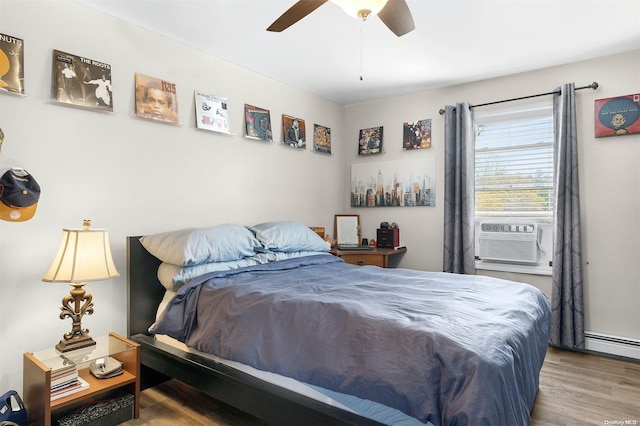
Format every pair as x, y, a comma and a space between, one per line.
295, 13
397, 16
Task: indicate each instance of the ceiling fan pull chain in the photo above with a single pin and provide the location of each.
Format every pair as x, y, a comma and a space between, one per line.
361, 46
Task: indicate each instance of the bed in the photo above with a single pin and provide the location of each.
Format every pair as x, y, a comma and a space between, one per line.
369, 345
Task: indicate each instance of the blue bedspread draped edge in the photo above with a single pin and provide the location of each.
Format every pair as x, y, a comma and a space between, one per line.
445, 348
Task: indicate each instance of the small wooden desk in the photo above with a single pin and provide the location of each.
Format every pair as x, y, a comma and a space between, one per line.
377, 256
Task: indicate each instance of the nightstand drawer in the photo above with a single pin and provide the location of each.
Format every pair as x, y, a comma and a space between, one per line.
364, 259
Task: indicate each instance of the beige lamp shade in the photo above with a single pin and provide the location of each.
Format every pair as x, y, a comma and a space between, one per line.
361, 9
83, 255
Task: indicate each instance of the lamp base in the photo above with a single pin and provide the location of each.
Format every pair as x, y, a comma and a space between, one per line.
74, 305
76, 342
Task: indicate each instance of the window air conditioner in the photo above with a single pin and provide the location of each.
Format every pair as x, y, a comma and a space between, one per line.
508, 242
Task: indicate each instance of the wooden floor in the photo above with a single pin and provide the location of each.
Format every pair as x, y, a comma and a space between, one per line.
576, 389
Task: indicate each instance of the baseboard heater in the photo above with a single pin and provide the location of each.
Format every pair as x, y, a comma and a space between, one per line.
612, 345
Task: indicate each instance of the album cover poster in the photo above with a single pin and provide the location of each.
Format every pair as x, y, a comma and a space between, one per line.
294, 132
416, 135
156, 99
11, 64
370, 141
321, 139
211, 113
617, 116
257, 123
82, 81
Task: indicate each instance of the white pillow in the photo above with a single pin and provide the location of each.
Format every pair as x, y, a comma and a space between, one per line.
289, 236
172, 277
193, 246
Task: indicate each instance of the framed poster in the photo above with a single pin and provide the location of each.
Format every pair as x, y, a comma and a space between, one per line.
617, 116
321, 139
257, 123
402, 183
82, 82
416, 135
347, 228
211, 113
11, 64
370, 141
156, 99
294, 132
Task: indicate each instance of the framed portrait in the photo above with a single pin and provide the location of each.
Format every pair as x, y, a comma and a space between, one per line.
617, 116
257, 123
370, 141
211, 113
82, 82
294, 131
321, 139
347, 228
156, 99
416, 135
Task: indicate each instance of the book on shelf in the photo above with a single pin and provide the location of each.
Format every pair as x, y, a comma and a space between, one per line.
63, 373
77, 386
64, 370
64, 386
61, 367
63, 381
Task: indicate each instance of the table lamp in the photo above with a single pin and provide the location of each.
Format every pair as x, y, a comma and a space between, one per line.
83, 255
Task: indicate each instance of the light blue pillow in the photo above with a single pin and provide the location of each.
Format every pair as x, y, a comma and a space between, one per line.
289, 236
274, 256
172, 277
193, 246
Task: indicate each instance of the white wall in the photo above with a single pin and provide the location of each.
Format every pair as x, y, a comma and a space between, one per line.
609, 182
136, 177
133, 176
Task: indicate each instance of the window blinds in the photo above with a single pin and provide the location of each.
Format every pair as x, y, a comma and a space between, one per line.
514, 161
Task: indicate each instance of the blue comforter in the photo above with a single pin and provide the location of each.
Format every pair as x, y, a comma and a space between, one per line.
449, 349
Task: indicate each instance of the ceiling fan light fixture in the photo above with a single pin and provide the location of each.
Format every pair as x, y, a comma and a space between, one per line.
361, 9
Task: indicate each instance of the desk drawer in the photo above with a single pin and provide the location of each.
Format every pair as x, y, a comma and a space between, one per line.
364, 259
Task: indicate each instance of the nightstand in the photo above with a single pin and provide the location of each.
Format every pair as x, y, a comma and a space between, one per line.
377, 257
38, 368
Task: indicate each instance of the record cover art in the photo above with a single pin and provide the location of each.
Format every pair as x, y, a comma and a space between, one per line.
321, 139
11, 64
156, 99
294, 132
257, 123
82, 81
617, 116
211, 113
416, 135
370, 141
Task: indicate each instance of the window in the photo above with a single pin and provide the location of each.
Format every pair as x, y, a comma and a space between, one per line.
514, 187
514, 163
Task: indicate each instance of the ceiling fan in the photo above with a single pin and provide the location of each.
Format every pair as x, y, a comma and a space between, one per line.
395, 14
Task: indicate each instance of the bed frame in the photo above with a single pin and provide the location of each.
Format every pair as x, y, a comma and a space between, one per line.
272, 403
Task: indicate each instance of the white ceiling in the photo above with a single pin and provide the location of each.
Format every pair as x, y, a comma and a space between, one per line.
455, 41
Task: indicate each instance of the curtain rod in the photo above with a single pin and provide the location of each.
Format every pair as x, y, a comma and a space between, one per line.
593, 86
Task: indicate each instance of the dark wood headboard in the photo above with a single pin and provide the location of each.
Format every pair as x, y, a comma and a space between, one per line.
144, 291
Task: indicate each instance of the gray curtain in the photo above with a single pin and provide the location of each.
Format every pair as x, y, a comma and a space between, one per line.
459, 190
567, 315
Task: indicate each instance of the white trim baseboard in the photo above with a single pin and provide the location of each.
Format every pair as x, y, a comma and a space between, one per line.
612, 345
